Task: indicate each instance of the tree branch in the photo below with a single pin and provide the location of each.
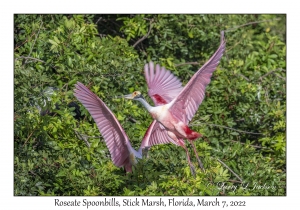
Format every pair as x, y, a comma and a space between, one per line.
144, 37
251, 23
31, 58
100, 18
29, 136
241, 75
222, 126
271, 72
259, 147
24, 42
83, 137
229, 169
233, 46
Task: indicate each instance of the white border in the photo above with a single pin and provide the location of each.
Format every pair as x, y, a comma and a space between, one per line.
8, 8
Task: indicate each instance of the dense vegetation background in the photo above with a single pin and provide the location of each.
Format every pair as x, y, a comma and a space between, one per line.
58, 151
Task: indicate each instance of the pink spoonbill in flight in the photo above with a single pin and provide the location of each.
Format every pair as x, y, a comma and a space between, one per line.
121, 151
176, 114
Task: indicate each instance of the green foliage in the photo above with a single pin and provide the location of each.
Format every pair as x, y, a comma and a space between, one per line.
242, 118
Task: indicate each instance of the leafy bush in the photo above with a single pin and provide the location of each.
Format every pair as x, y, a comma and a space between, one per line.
242, 118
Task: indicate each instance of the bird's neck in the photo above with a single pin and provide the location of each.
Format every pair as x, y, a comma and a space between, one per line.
145, 104
134, 155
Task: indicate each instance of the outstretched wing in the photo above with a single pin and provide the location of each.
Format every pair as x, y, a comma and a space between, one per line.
163, 86
156, 134
188, 100
115, 137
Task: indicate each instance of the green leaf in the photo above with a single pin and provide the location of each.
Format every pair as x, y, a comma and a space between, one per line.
56, 40
53, 42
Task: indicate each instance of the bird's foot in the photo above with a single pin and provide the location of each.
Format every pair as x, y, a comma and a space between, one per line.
193, 170
200, 164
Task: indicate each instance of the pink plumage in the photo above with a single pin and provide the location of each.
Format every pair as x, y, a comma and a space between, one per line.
111, 130
187, 102
175, 115
114, 135
163, 86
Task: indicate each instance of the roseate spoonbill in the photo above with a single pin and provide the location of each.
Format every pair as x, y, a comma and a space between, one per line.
167, 87
175, 115
121, 151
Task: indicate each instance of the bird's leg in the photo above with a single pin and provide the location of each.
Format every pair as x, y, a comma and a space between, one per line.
193, 171
181, 143
198, 159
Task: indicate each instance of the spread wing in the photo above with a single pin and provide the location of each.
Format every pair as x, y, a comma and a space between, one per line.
188, 100
156, 134
163, 86
115, 137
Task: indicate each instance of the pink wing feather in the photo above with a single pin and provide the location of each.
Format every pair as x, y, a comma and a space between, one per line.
115, 138
156, 134
163, 86
188, 100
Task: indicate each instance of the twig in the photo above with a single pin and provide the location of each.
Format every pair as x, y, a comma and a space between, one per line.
144, 37
24, 42
29, 136
31, 58
33, 173
271, 72
35, 59
267, 96
131, 119
222, 126
244, 77
233, 46
101, 35
98, 20
229, 169
35, 40
83, 137
280, 77
259, 147
188, 63
242, 119
86, 137
250, 23
147, 19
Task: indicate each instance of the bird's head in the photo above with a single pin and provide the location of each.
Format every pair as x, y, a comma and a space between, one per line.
134, 96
